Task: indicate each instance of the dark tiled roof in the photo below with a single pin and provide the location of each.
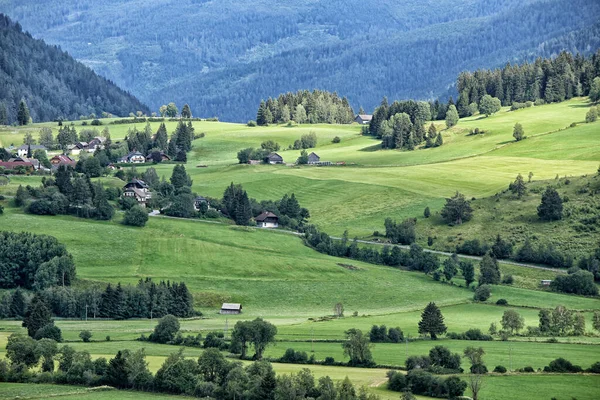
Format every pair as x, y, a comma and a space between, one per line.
265, 215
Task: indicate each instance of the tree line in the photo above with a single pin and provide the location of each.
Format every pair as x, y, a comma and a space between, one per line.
146, 299
303, 107
210, 376
546, 80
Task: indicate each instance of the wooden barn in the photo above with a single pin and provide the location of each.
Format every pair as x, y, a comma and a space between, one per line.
231, 308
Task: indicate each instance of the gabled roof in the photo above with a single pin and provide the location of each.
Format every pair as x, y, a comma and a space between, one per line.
137, 182
365, 117
15, 164
274, 156
201, 198
231, 306
313, 155
263, 216
139, 192
33, 147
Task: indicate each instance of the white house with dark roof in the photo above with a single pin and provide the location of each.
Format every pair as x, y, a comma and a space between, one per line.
267, 220
24, 149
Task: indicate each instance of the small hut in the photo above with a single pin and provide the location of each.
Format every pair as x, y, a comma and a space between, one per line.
231, 308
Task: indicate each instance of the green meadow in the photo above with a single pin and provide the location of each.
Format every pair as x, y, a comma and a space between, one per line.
275, 276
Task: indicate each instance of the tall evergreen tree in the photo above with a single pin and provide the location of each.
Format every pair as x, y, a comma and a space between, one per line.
489, 270
551, 207
3, 114
432, 321
17, 304
161, 138
37, 316
186, 111
23, 113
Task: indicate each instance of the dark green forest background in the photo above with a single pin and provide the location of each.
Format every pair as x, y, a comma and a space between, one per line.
224, 57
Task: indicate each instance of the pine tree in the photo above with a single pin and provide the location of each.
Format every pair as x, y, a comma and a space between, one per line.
432, 321
243, 212
180, 178
260, 114
432, 132
518, 186
161, 138
551, 207
186, 112
439, 140
3, 114
489, 270
23, 113
37, 316
17, 304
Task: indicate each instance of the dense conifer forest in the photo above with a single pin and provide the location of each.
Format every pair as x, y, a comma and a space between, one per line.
51, 82
223, 57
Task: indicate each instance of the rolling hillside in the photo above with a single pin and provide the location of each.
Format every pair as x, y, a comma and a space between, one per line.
53, 84
224, 57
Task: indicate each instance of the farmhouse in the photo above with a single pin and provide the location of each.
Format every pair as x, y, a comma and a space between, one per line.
24, 149
138, 190
363, 119
231, 308
62, 159
313, 158
135, 157
267, 220
275, 158
163, 157
16, 165
35, 163
198, 201
96, 143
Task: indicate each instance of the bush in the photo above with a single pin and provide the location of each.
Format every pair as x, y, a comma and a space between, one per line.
580, 282
396, 381
473, 247
49, 331
595, 368
85, 336
502, 302
562, 365
165, 331
479, 369
482, 293
251, 123
135, 216
294, 357
336, 139
527, 369
471, 334
500, 369
508, 280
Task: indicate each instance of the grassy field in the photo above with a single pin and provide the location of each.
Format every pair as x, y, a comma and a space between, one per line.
276, 277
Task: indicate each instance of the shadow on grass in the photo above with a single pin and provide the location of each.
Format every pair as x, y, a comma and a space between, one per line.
375, 147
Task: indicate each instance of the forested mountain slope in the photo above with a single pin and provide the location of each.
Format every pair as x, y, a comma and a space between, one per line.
53, 84
224, 56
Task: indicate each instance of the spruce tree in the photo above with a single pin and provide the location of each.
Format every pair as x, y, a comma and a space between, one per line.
439, 140
37, 316
186, 112
551, 207
518, 186
243, 212
489, 270
23, 113
3, 114
432, 321
180, 178
17, 304
161, 138
260, 114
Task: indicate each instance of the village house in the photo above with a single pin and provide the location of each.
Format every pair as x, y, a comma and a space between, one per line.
313, 158
363, 119
135, 157
15, 165
24, 149
62, 159
275, 158
231, 308
198, 201
163, 157
138, 190
96, 143
267, 220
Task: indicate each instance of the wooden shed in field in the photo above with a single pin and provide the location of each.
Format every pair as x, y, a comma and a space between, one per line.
231, 308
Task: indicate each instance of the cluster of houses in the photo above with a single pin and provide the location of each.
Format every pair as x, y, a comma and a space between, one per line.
135, 157
87, 147
275, 158
31, 164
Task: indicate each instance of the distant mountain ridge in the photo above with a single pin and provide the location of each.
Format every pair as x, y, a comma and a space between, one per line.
53, 84
222, 57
